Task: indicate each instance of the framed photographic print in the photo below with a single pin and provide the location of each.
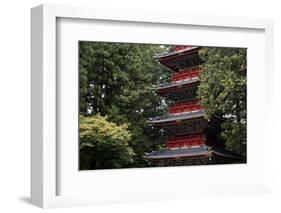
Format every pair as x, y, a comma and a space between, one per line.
130, 106
196, 115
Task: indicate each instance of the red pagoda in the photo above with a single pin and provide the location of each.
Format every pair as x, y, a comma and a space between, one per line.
185, 124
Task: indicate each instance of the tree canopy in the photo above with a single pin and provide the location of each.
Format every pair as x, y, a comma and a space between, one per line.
104, 144
223, 89
116, 81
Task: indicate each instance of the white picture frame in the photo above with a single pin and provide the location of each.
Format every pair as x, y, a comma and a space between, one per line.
44, 148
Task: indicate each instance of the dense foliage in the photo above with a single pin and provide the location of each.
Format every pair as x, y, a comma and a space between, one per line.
116, 81
103, 144
222, 91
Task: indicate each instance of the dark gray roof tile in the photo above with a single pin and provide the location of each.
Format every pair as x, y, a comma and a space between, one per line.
180, 152
177, 117
176, 84
167, 54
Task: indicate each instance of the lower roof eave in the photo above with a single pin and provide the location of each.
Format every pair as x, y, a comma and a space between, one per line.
227, 155
207, 154
174, 85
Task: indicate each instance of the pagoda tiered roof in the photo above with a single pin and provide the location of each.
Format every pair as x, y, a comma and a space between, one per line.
192, 151
185, 124
177, 117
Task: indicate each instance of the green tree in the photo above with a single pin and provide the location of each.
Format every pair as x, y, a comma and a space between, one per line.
116, 81
113, 72
103, 144
223, 93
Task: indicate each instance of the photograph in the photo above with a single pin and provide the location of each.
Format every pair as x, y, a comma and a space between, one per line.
159, 105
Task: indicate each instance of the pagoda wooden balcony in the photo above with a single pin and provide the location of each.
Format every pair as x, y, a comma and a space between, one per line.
187, 106
187, 140
186, 74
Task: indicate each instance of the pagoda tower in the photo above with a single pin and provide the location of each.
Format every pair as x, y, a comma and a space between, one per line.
185, 124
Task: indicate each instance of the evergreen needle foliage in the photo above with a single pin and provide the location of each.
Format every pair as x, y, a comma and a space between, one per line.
116, 81
223, 90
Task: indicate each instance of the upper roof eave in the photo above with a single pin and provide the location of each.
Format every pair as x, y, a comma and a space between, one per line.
168, 54
176, 84
178, 117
